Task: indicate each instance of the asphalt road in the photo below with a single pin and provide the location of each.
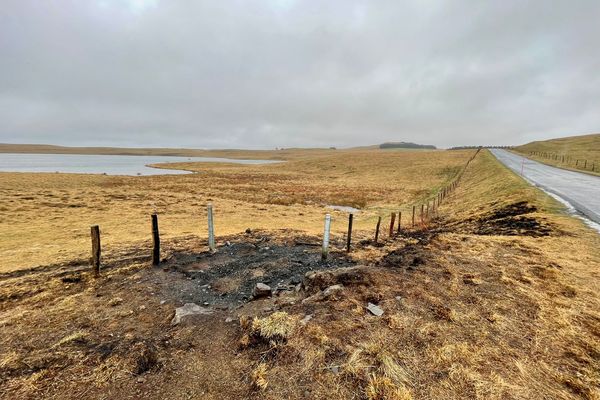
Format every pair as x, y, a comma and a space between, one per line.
582, 191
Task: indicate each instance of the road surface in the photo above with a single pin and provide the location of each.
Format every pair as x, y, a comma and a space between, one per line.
582, 191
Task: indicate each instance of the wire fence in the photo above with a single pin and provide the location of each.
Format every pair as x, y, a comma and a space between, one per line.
567, 160
419, 216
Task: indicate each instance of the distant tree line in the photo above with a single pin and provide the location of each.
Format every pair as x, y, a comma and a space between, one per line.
479, 147
405, 145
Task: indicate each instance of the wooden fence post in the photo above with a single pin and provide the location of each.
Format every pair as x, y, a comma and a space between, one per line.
349, 241
155, 241
325, 249
211, 228
413, 217
377, 229
427, 212
96, 249
392, 221
422, 209
399, 221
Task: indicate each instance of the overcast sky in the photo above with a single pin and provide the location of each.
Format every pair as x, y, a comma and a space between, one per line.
283, 73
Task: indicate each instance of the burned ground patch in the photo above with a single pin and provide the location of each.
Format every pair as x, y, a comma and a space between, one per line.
516, 219
227, 278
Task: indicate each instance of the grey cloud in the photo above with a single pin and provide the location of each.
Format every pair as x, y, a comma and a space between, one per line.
261, 74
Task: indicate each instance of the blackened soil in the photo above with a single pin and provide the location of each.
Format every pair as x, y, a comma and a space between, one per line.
511, 220
227, 278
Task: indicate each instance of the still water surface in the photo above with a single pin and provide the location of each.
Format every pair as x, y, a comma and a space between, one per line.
102, 164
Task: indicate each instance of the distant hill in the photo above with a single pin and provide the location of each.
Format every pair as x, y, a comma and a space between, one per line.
405, 145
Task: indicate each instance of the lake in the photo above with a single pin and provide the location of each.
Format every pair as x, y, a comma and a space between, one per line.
102, 164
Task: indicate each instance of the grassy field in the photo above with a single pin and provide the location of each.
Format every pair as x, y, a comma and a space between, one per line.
483, 303
45, 218
586, 147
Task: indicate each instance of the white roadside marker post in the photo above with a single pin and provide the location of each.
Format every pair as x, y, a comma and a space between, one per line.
325, 249
211, 229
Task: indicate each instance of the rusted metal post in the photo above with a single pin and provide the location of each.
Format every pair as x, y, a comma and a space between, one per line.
96, 249
349, 241
392, 221
377, 229
155, 241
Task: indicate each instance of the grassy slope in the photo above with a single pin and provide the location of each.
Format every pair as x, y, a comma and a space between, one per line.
586, 147
466, 316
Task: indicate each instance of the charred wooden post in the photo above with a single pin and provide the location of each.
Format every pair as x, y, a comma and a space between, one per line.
413, 217
422, 215
349, 240
155, 241
392, 222
96, 249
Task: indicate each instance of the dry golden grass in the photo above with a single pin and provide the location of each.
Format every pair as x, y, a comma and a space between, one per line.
505, 314
45, 218
586, 147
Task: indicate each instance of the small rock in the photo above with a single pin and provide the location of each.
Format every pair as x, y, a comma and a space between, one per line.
115, 301
142, 307
375, 310
331, 290
306, 318
228, 243
141, 379
162, 302
248, 231
262, 290
206, 303
228, 319
335, 369
188, 309
399, 298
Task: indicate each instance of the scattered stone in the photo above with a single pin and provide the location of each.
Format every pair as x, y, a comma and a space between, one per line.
306, 318
335, 369
329, 292
141, 379
142, 308
162, 302
115, 301
399, 298
228, 243
262, 290
188, 309
375, 310
206, 303
228, 319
